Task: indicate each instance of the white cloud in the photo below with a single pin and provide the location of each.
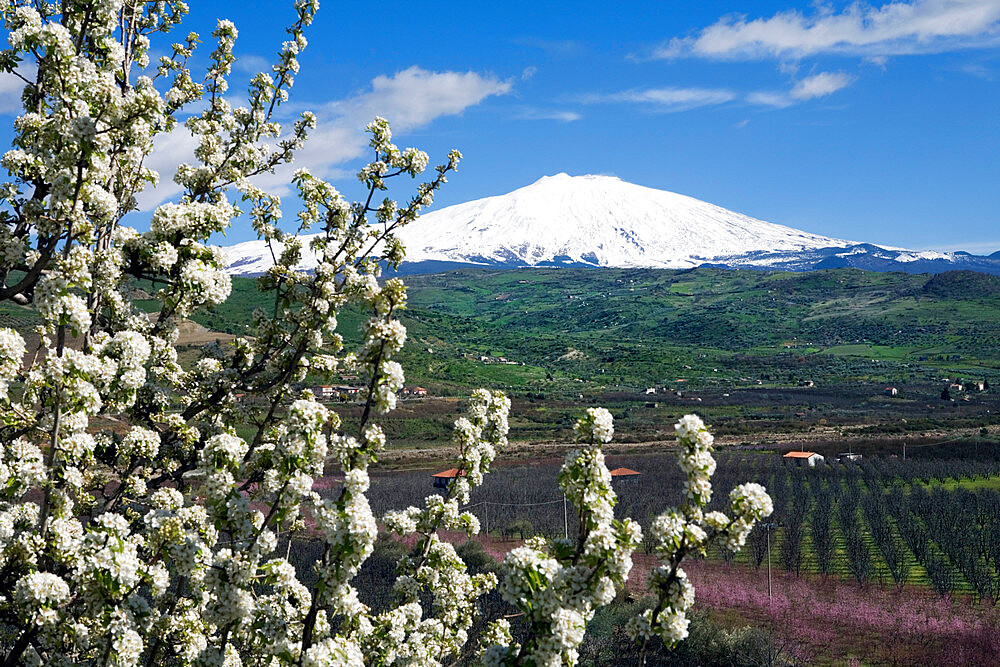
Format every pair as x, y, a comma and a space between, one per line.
252, 64
10, 93
878, 61
409, 99
666, 99
820, 85
531, 113
528, 72
894, 28
978, 70
810, 87
11, 87
169, 150
791, 68
770, 99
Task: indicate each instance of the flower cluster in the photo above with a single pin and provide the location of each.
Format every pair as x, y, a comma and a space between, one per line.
558, 585
11, 355
690, 529
435, 567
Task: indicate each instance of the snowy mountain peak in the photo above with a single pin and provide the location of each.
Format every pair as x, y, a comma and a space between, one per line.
598, 221
563, 176
603, 221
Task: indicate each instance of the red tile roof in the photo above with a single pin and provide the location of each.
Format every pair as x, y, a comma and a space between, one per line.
799, 455
621, 472
449, 473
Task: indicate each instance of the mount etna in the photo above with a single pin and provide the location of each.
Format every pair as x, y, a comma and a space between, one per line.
602, 221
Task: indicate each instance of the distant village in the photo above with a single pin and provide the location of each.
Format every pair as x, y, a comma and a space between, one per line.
953, 390
349, 392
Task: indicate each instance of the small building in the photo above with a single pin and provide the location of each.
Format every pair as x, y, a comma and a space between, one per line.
650, 390
891, 391
414, 391
955, 387
848, 457
323, 391
976, 385
804, 458
443, 478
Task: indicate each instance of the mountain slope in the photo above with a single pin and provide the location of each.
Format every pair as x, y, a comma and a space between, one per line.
597, 221
602, 221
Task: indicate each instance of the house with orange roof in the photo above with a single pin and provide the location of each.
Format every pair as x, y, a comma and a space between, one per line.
804, 458
443, 478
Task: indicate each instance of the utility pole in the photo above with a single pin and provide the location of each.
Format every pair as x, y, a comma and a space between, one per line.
487, 510
768, 562
565, 518
768, 527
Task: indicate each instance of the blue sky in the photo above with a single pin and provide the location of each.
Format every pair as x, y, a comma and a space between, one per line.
868, 122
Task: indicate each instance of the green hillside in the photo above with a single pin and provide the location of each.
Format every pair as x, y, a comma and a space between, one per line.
566, 330
753, 352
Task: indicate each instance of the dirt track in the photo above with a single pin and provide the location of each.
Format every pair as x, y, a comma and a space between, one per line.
520, 452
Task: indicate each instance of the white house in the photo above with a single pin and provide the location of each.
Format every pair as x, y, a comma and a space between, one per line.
804, 458
323, 391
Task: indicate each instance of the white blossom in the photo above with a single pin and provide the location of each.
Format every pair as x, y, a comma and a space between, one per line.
151, 496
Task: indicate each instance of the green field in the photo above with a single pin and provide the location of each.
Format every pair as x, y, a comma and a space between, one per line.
752, 351
569, 331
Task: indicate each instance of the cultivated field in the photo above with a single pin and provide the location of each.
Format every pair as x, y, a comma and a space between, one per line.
907, 549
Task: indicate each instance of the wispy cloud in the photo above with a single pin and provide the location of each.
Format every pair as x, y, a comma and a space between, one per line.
665, 99
775, 100
894, 28
810, 87
975, 247
820, 85
533, 113
409, 99
978, 70
251, 64
684, 99
553, 47
877, 61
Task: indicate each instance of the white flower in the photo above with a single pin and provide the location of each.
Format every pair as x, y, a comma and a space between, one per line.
597, 426
689, 426
140, 442
42, 589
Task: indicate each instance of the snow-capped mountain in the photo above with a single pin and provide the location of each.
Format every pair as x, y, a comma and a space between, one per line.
599, 221
602, 221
